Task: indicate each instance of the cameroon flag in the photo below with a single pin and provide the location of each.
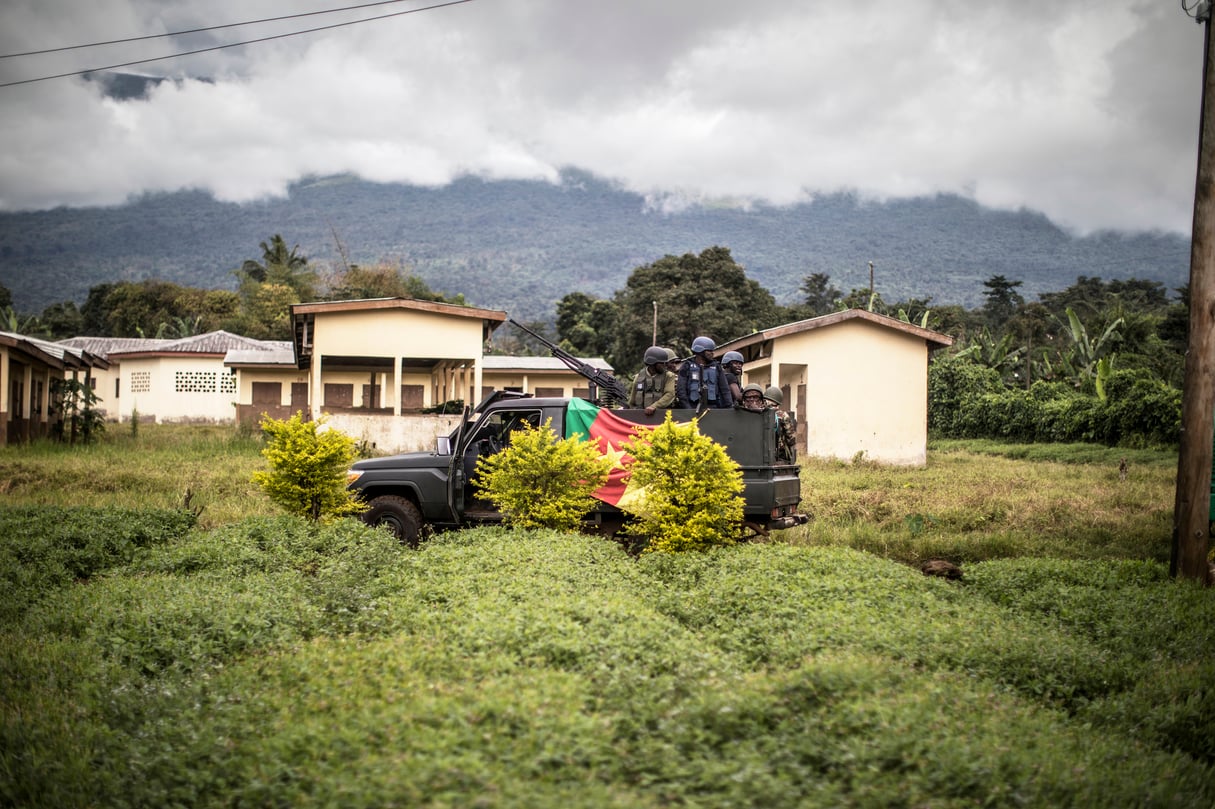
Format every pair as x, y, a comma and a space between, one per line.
610, 432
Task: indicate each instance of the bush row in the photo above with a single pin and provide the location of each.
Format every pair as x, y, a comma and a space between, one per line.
966, 400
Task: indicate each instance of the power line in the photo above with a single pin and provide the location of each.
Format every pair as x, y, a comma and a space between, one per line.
197, 30
234, 44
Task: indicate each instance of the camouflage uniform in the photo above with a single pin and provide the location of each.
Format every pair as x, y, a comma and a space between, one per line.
653, 390
786, 426
786, 435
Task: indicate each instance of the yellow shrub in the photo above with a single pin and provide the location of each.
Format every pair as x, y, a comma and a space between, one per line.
692, 489
542, 480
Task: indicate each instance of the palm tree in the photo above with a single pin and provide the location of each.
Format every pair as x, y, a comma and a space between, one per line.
280, 265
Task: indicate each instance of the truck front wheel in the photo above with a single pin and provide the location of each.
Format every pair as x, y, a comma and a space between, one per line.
398, 515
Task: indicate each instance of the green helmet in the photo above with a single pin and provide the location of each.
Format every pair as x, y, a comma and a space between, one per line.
773, 395
752, 388
655, 355
671, 355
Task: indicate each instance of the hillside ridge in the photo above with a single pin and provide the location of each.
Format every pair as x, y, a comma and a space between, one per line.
521, 245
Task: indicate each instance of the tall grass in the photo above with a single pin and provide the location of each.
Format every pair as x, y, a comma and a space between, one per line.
981, 500
163, 466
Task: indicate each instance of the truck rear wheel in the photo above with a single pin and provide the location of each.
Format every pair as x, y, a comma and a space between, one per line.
398, 515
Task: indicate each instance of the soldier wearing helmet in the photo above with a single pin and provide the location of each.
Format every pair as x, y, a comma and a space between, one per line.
701, 383
732, 367
753, 398
673, 361
786, 425
654, 385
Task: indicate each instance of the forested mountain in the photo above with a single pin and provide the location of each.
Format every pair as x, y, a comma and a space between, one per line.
520, 246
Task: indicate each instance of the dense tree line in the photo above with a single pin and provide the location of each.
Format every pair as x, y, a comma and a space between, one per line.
1097, 361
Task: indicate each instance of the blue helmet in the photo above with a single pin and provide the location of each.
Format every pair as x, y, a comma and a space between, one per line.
731, 356
701, 344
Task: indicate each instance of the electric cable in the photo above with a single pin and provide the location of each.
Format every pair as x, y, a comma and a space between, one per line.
232, 44
197, 30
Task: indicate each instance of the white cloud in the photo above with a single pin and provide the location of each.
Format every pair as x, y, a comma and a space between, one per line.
1084, 110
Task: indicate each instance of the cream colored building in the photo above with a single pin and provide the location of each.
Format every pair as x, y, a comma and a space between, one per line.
363, 364
183, 380
28, 368
390, 354
857, 382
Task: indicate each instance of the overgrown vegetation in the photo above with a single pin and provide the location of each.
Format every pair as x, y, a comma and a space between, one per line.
308, 463
542, 480
269, 660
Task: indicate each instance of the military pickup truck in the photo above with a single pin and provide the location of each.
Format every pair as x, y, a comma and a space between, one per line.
417, 492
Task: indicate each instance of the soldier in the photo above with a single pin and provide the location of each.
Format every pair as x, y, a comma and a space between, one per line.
701, 383
786, 425
753, 398
673, 361
732, 366
654, 385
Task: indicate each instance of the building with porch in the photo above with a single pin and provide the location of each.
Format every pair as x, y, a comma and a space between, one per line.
29, 366
856, 381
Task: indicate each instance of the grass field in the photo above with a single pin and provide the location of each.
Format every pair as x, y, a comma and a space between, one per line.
154, 657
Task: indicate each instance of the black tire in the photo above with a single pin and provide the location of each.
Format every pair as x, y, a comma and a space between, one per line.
398, 515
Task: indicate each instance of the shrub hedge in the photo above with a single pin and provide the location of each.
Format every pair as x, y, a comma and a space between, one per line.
966, 400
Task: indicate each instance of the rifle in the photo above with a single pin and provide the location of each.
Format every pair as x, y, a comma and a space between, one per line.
609, 384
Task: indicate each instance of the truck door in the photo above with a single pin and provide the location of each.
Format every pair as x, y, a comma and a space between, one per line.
455, 470
490, 435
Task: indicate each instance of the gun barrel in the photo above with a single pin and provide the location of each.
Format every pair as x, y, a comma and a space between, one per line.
610, 384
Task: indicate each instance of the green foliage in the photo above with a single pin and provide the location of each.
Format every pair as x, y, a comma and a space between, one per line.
691, 489
47, 547
75, 401
821, 297
1002, 300
587, 325
954, 385
308, 464
706, 294
542, 480
154, 308
965, 400
519, 668
383, 281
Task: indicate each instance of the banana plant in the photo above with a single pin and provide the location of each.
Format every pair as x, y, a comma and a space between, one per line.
1087, 351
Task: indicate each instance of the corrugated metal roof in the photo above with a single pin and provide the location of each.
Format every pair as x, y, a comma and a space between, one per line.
244, 356
104, 346
216, 342
55, 353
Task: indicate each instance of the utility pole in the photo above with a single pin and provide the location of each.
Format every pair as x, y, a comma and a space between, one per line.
654, 342
1191, 513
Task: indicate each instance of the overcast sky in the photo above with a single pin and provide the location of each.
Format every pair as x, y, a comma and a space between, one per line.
1085, 110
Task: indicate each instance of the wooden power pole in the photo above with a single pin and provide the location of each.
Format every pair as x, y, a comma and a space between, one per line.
1191, 513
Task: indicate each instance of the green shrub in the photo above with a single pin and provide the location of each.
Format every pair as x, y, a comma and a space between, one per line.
689, 489
542, 480
968, 401
953, 383
308, 465
49, 547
